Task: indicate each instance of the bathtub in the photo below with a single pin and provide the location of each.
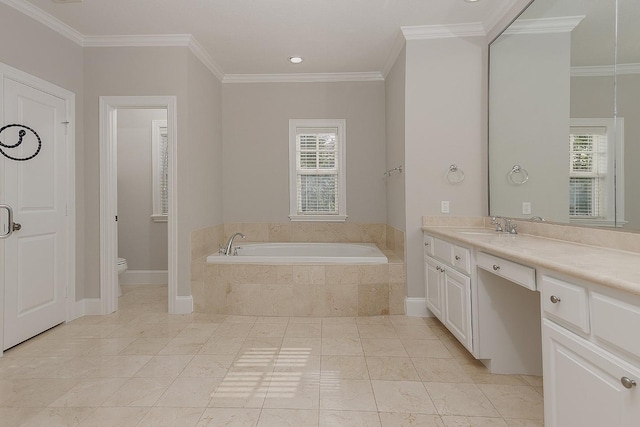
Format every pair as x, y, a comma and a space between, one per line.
303, 253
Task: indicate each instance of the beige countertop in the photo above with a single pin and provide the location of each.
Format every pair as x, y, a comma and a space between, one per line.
608, 267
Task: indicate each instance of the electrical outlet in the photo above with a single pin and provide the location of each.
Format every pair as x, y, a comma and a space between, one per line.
444, 206
526, 208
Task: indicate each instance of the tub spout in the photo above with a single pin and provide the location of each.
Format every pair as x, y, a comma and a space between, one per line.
227, 249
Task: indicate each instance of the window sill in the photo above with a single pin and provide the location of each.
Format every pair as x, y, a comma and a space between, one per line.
318, 218
595, 222
159, 218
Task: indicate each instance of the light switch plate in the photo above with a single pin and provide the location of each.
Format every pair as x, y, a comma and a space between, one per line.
444, 206
526, 208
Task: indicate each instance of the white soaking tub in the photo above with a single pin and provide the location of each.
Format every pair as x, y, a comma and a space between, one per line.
303, 253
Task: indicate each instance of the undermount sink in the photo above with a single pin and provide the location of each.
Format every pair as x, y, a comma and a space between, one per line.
479, 232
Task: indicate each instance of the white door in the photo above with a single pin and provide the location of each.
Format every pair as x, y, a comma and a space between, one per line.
35, 257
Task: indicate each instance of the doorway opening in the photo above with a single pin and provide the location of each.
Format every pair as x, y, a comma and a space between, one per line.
109, 107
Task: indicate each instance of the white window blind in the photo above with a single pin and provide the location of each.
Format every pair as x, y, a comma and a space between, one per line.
160, 169
587, 172
317, 170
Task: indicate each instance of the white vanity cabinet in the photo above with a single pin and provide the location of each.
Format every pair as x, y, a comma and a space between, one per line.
591, 355
448, 286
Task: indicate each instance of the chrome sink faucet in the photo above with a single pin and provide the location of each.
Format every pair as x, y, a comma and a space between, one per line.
227, 249
509, 226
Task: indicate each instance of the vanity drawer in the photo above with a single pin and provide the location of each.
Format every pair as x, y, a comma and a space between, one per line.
565, 301
615, 322
428, 245
518, 273
443, 250
462, 259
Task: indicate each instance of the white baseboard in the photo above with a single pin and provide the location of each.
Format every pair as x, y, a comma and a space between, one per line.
416, 307
183, 305
144, 277
85, 307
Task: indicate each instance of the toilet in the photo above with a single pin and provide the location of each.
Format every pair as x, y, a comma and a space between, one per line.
121, 265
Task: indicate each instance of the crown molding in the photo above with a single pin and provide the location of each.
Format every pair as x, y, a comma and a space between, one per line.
304, 78
498, 14
46, 19
204, 57
605, 70
426, 32
398, 45
562, 24
147, 40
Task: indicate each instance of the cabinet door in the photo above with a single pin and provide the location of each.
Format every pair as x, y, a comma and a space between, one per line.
433, 286
584, 385
457, 306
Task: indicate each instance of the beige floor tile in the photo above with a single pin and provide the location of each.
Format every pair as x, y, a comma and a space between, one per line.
171, 417
402, 396
292, 390
145, 346
89, 392
515, 401
288, 417
189, 393
272, 319
241, 390
303, 330
121, 367
14, 417
139, 392
399, 320
418, 332
390, 419
373, 320
208, 365
377, 331
109, 346
229, 417
222, 345
198, 331
53, 417
347, 395
344, 367
533, 380
164, 366
460, 399
349, 419
183, 345
121, 417
392, 369
390, 347
458, 421
341, 347
310, 346
262, 330
524, 423
440, 370
346, 330
305, 320
338, 320
426, 348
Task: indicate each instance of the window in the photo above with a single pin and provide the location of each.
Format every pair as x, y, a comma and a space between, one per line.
160, 170
593, 171
317, 184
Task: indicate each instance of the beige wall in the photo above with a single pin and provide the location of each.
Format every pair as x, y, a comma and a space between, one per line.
395, 121
119, 72
532, 134
256, 145
141, 241
39, 51
444, 123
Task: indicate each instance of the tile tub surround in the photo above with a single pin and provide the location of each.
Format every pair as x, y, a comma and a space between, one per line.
301, 290
313, 290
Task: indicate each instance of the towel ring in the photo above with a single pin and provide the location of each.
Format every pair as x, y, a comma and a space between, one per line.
455, 175
518, 175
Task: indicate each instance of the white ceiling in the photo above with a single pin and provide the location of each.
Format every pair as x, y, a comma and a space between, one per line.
257, 36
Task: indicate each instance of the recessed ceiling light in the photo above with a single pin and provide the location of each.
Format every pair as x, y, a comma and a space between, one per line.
295, 59
471, 1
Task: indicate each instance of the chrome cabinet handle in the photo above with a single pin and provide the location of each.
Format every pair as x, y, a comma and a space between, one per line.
426, 244
554, 299
627, 382
11, 227
458, 258
496, 267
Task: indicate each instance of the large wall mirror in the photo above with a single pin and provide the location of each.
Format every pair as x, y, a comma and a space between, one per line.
564, 114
